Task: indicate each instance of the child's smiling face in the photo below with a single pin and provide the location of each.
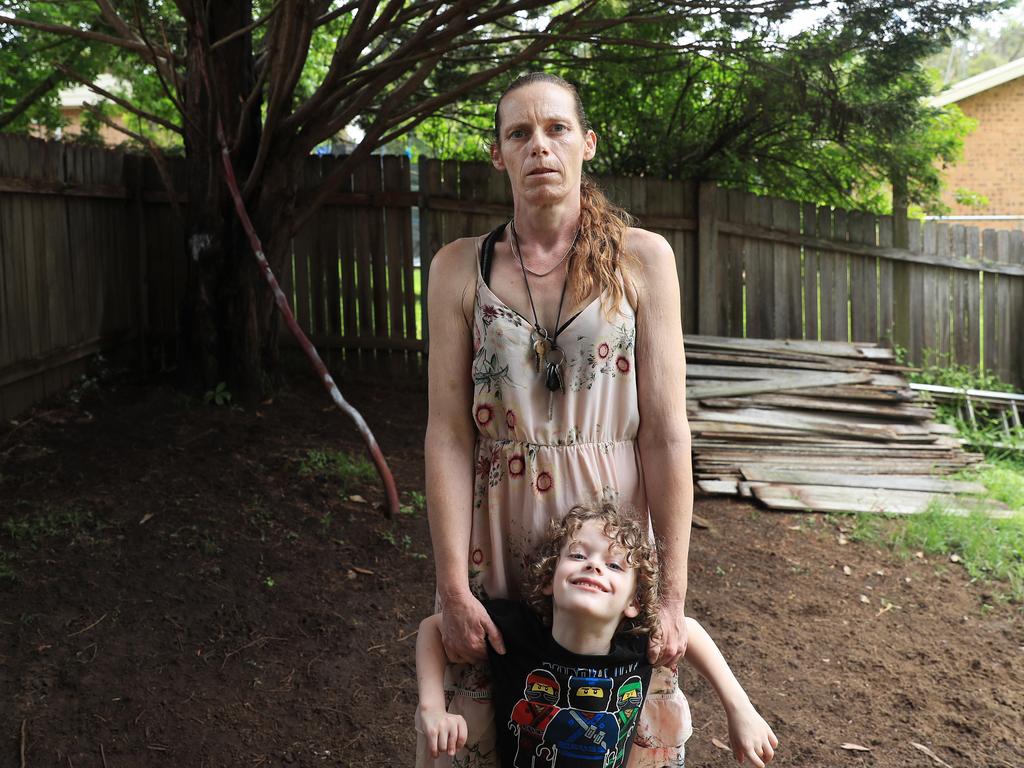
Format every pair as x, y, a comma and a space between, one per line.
593, 579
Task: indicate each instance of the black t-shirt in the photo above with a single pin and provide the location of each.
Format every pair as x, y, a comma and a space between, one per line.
558, 709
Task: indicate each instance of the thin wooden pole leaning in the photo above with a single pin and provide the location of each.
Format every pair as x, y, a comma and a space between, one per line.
282, 304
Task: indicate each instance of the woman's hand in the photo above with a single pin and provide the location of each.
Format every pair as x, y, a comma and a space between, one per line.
464, 626
750, 737
668, 643
443, 732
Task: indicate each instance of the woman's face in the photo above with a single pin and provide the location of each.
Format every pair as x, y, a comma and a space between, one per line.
542, 146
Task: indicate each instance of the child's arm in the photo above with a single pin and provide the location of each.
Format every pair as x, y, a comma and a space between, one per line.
749, 735
444, 732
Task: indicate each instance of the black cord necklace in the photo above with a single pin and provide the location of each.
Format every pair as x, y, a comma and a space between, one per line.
545, 345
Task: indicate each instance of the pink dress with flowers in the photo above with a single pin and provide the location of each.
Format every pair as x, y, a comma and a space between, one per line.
530, 469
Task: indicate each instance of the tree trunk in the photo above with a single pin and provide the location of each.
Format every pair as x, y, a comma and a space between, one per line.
226, 310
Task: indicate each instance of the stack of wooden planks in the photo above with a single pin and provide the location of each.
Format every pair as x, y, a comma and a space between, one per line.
819, 426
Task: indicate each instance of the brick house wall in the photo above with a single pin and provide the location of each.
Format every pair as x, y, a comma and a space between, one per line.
993, 160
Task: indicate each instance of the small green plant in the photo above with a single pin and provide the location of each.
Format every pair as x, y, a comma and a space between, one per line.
218, 395
210, 547
269, 582
404, 545
346, 469
417, 503
986, 429
939, 369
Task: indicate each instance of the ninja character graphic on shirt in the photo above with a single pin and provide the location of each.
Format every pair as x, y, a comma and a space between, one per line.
531, 716
628, 699
584, 735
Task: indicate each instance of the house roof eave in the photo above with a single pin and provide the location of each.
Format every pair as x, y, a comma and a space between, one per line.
983, 82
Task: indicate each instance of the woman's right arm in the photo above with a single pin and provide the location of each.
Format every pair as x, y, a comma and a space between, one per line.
449, 446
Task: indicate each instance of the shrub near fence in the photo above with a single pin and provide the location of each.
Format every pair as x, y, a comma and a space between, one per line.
93, 256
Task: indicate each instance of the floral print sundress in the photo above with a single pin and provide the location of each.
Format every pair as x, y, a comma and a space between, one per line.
530, 469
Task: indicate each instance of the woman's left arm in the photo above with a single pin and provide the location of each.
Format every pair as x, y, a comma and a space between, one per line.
664, 433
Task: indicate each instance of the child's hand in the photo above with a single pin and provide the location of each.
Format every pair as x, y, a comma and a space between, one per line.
750, 737
444, 732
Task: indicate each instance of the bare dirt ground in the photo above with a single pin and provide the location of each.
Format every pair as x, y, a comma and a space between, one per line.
173, 591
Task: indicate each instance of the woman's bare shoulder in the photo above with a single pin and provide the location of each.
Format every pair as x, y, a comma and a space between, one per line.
651, 249
654, 262
457, 257
453, 271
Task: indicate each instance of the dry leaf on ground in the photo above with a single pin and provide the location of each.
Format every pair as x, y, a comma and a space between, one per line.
930, 754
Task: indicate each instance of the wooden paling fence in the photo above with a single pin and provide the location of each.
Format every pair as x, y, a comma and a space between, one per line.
760, 267
77, 270
94, 256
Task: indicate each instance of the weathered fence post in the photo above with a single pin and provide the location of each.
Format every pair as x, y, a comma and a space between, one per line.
708, 284
901, 320
136, 183
428, 170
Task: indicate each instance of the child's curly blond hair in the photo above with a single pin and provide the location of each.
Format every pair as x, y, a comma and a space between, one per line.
626, 533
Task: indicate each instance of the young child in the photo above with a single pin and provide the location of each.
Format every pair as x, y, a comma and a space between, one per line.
569, 690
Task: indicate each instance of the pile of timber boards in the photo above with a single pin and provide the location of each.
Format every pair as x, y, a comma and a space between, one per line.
823, 426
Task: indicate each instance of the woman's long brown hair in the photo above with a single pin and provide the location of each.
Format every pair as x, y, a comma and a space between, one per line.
600, 259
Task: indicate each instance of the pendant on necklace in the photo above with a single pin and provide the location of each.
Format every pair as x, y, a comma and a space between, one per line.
541, 346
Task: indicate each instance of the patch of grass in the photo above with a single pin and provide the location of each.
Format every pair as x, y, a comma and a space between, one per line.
346, 469
8, 574
866, 529
991, 550
1003, 476
30, 529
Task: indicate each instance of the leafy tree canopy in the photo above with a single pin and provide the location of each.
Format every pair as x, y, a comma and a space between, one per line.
830, 114
985, 47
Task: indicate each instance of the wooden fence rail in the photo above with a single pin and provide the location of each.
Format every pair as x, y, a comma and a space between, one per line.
92, 255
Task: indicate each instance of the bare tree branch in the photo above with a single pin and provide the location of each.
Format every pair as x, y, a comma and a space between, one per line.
247, 28
249, 103
39, 90
85, 34
423, 109
118, 100
345, 55
327, 18
291, 52
114, 20
164, 69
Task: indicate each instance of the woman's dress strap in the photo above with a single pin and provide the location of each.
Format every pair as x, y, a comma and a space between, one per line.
487, 254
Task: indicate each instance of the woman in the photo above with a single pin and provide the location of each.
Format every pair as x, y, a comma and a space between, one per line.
556, 377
